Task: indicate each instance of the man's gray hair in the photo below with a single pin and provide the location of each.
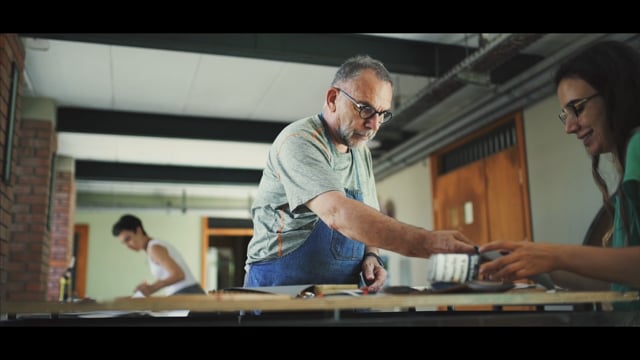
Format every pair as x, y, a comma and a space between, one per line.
353, 66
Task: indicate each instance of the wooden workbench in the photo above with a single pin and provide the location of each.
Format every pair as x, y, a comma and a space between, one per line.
233, 302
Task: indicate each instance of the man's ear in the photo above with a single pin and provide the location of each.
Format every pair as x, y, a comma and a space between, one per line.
332, 95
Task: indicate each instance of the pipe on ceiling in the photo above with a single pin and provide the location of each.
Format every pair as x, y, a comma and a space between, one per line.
525, 89
480, 62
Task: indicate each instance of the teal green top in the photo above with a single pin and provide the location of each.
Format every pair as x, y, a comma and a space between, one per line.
630, 186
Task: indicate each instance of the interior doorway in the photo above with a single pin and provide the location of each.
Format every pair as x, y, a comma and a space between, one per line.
224, 251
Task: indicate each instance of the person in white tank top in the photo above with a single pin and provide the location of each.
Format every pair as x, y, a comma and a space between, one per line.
165, 262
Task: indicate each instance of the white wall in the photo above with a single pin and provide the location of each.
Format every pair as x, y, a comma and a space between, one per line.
113, 269
410, 191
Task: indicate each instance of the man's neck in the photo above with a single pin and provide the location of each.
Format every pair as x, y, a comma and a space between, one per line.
333, 137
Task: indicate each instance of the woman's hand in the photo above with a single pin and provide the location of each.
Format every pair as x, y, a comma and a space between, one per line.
521, 260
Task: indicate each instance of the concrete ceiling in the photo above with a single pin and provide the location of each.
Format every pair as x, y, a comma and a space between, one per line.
177, 116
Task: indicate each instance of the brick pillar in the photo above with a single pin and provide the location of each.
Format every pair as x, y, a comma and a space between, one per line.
11, 51
30, 239
63, 222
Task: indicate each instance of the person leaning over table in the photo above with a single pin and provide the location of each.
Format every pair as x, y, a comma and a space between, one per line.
316, 215
599, 90
165, 262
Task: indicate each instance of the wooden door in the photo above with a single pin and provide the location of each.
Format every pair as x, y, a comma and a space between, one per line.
505, 194
81, 249
480, 184
460, 204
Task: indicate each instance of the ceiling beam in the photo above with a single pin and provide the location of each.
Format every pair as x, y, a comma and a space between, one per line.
84, 120
92, 121
399, 55
115, 171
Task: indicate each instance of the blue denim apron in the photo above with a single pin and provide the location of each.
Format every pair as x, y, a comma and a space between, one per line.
326, 256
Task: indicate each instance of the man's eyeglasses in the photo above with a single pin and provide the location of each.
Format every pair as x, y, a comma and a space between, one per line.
367, 111
576, 106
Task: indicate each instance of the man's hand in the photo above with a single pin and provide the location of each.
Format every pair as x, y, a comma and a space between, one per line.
374, 275
450, 241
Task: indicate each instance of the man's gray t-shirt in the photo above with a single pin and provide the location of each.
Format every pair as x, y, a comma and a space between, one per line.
302, 164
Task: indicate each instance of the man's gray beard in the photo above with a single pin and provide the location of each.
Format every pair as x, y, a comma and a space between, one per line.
345, 135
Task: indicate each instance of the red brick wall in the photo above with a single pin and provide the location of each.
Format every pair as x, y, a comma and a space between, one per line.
11, 50
62, 230
29, 245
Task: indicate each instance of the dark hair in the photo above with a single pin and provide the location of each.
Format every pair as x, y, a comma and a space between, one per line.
127, 222
613, 69
353, 66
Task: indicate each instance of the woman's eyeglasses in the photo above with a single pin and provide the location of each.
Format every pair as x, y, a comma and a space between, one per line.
576, 106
